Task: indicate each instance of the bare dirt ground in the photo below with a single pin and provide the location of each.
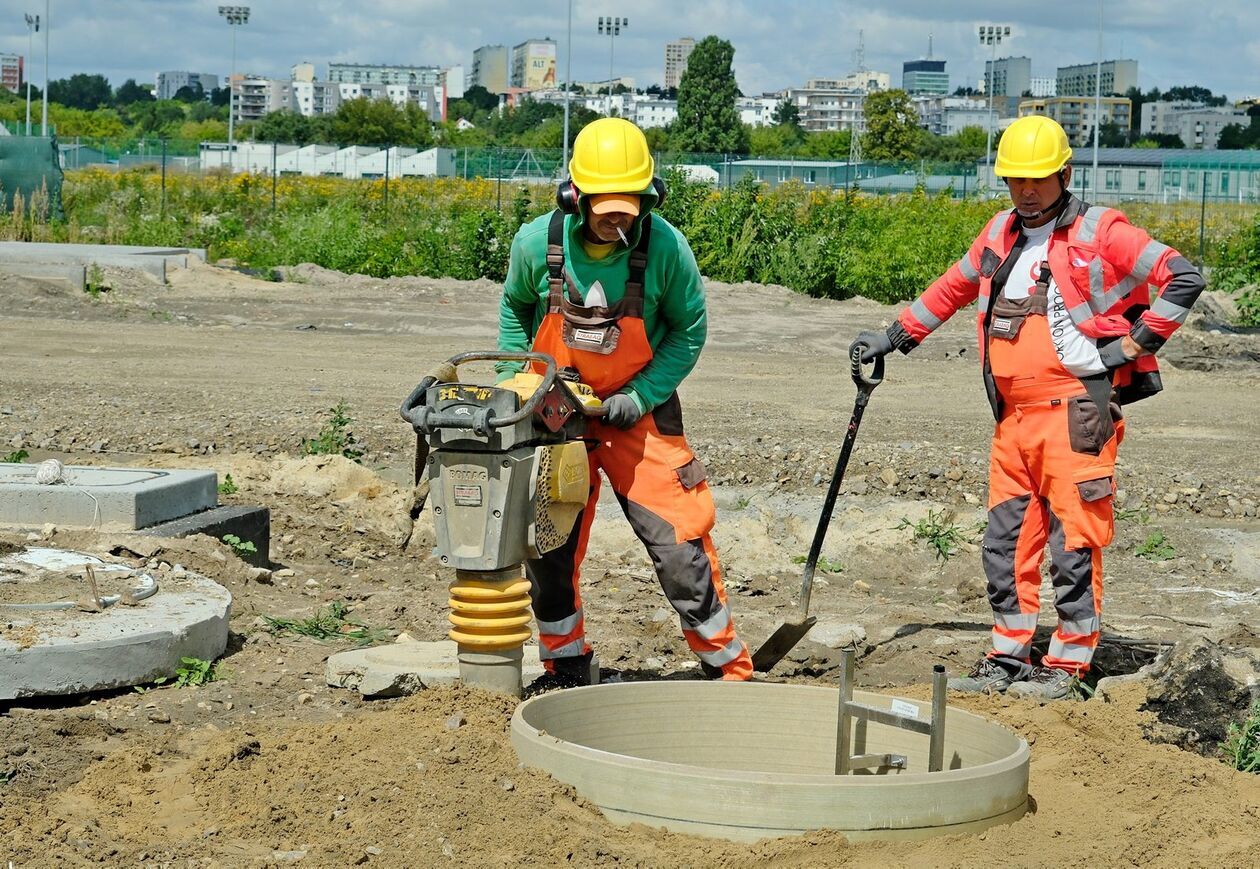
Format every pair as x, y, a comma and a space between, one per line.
269, 766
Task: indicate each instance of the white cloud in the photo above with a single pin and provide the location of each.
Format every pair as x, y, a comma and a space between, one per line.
776, 44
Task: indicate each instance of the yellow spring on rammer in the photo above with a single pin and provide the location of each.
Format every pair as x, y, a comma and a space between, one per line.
490, 614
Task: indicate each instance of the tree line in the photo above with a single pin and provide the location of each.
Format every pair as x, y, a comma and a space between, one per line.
708, 122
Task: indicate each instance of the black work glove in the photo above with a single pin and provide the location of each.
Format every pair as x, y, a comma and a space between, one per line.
877, 344
621, 411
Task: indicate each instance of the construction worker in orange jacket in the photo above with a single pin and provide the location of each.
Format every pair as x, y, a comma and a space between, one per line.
610, 289
1074, 302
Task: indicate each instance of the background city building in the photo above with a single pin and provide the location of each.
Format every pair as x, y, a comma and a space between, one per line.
169, 83
1197, 124
1078, 81
924, 76
534, 64
490, 69
1044, 86
383, 74
676, 54
1076, 114
11, 71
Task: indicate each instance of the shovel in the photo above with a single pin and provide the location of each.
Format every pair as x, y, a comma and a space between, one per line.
792, 631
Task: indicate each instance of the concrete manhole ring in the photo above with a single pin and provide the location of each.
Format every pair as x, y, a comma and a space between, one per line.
28, 567
49, 648
756, 760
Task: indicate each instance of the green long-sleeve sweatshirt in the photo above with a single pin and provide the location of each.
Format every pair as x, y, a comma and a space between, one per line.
673, 304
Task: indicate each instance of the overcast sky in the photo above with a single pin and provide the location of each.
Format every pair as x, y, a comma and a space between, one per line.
1214, 43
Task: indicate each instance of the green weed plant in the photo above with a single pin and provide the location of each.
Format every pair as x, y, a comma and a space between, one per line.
335, 438
1241, 748
943, 536
329, 623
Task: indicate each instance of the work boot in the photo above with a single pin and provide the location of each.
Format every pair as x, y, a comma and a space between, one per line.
1045, 684
573, 671
986, 677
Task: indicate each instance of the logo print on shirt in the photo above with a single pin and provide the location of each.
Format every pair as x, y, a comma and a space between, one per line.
1035, 271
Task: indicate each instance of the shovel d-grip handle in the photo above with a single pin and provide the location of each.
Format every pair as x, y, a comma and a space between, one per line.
865, 383
422, 417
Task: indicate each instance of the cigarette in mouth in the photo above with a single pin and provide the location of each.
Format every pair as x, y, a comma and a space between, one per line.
624, 240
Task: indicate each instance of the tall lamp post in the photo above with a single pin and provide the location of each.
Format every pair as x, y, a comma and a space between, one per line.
992, 35
611, 27
1093, 175
568, 83
235, 16
32, 27
43, 128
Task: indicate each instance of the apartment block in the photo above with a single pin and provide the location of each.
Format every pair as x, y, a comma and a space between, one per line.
490, 69
169, 83
11, 71
534, 64
1198, 124
1078, 81
676, 54
382, 74
1077, 116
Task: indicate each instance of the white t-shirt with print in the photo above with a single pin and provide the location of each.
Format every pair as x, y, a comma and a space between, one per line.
1078, 353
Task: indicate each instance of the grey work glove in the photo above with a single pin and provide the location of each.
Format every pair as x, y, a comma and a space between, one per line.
877, 344
1112, 354
621, 411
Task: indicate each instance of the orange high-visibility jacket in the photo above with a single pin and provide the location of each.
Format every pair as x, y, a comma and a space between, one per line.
1106, 269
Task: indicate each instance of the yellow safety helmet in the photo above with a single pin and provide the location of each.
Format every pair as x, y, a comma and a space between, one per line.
611, 155
1033, 147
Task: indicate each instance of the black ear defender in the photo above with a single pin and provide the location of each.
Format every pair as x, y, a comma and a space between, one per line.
567, 196
658, 187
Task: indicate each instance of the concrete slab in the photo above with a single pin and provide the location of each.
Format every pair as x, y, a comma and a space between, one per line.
67, 651
251, 524
116, 499
407, 668
71, 273
25, 249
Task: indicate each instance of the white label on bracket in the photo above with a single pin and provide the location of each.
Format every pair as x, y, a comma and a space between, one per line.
901, 707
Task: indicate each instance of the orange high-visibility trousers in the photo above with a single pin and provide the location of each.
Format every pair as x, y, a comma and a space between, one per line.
662, 492
1051, 482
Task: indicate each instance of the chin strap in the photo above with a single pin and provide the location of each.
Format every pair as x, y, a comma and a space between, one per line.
1054, 208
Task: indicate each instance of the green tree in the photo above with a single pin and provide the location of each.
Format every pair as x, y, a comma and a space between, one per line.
780, 140
191, 93
1236, 137
129, 92
160, 117
379, 122
707, 120
826, 145
1194, 93
285, 127
786, 112
80, 91
891, 126
480, 98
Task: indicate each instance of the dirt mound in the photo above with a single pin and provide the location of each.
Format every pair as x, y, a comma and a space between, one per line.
432, 780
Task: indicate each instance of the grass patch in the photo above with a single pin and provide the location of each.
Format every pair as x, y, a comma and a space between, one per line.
335, 438
944, 537
1241, 747
1155, 548
825, 564
17, 457
329, 623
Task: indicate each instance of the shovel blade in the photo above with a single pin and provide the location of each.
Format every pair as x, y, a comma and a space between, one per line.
782, 641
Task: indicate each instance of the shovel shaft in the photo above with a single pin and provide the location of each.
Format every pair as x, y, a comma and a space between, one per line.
829, 505
865, 386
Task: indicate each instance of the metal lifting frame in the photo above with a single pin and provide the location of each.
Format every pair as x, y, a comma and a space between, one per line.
934, 727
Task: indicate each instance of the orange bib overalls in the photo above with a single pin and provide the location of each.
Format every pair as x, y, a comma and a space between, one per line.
1051, 475
658, 481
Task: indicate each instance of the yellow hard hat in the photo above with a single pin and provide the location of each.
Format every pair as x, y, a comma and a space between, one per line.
1033, 147
611, 156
